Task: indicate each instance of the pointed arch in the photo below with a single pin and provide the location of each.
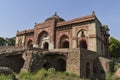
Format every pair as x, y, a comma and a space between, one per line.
82, 33
42, 38
20, 43
30, 43
64, 41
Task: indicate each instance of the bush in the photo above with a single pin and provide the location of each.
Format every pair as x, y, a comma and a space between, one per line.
7, 77
25, 75
111, 76
50, 74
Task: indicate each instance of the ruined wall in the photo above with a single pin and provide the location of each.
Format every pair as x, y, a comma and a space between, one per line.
13, 62
80, 61
12, 57
87, 59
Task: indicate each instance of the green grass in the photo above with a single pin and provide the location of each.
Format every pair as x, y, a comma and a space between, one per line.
6, 77
51, 74
111, 76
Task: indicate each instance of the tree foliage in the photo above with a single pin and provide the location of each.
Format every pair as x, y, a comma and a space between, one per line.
2, 41
114, 46
7, 41
11, 41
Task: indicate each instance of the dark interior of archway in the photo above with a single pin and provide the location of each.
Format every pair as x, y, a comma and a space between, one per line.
65, 44
83, 44
45, 45
62, 65
46, 65
15, 62
30, 43
55, 61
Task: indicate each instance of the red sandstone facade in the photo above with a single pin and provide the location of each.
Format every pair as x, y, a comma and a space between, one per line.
54, 33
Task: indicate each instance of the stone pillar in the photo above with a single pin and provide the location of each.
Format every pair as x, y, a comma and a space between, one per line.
28, 57
74, 38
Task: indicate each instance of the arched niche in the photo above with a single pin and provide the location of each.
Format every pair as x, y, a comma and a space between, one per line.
20, 43
30, 43
64, 42
82, 33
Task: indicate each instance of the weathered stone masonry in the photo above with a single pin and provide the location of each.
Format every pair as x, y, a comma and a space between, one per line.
78, 46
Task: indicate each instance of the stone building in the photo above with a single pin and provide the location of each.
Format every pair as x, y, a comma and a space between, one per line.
55, 33
79, 45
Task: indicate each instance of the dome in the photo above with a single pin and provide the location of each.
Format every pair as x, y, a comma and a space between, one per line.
55, 16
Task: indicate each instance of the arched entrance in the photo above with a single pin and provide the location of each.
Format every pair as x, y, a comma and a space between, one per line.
30, 43
46, 45
61, 64
87, 70
83, 44
64, 41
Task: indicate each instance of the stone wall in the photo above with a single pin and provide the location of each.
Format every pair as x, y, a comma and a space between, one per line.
12, 57
80, 61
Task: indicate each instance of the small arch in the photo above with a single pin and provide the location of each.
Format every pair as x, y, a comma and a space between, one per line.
82, 33
30, 43
46, 45
64, 41
20, 42
83, 44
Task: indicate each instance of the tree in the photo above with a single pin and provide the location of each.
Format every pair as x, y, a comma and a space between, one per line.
114, 47
10, 41
2, 41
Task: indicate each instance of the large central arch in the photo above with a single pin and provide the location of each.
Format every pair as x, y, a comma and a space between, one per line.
43, 40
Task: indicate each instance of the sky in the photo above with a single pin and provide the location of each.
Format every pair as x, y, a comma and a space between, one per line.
23, 14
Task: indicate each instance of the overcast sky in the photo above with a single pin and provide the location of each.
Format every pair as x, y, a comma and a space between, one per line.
22, 14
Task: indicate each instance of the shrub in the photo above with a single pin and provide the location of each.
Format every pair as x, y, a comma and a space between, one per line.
7, 77
111, 76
